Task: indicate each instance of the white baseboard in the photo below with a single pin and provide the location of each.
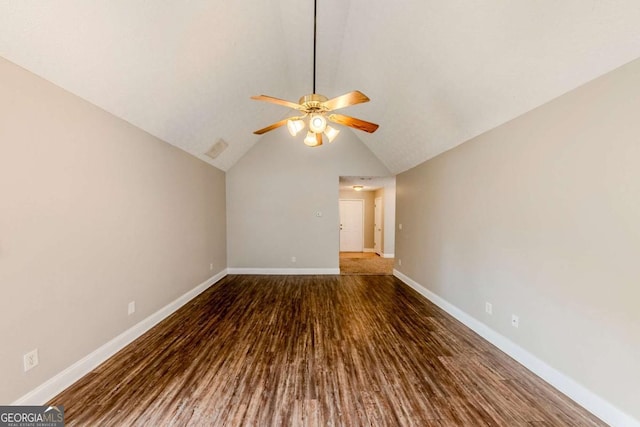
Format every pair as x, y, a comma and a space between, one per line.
49, 389
388, 255
284, 271
368, 250
577, 392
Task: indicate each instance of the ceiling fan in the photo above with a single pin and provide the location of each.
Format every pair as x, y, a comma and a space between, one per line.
318, 109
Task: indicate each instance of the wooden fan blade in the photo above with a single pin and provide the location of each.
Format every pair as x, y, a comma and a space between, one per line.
351, 98
278, 101
353, 122
271, 127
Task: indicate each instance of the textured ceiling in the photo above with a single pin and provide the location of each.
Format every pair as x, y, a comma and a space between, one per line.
437, 72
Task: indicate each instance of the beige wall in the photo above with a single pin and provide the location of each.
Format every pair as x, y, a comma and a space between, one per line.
94, 213
274, 191
367, 196
541, 217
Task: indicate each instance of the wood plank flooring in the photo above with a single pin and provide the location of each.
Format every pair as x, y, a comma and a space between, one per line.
314, 350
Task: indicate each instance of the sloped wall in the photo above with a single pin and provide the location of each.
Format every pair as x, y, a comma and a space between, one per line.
94, 213
541, 217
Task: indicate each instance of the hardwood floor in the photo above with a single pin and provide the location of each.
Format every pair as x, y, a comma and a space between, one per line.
314, 350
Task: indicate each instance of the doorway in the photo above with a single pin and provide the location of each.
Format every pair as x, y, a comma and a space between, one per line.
377, 226
374, 252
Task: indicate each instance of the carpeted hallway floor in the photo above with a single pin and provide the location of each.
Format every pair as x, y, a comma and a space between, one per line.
361, 264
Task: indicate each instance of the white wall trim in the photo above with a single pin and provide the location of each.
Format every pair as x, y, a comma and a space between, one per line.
369, 250
580, 394
50, 388
388, 255
284, 271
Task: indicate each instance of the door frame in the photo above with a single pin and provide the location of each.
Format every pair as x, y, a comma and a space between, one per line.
361, 220
378, 207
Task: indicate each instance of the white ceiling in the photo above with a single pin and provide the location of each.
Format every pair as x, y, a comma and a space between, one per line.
437, 72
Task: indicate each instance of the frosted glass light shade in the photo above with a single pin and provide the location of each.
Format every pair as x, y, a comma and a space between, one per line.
317, 123
310, 140
295, 126
331, 133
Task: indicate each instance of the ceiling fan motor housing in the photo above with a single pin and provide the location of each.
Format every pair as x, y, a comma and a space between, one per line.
313, 103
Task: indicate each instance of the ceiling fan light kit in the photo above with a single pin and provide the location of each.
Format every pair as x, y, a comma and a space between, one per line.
316, 108
317, 123
311, 140
295, 125
331, 133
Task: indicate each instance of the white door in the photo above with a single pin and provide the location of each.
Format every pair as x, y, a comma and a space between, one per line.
351, 225
377, 226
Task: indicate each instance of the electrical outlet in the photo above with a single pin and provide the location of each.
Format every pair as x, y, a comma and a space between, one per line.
399, 226
211, 267
515, 321
131, 308
399, 262
488, 308
293, 259
30, 360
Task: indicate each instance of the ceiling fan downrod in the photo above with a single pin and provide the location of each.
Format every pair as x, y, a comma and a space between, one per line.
315, 15
317, 109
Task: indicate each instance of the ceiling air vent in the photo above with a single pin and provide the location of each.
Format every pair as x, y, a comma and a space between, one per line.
217, 148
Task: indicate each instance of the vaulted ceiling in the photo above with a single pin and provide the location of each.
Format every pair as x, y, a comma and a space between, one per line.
437, 72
